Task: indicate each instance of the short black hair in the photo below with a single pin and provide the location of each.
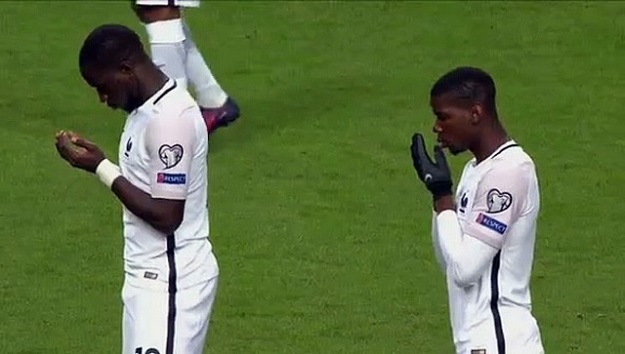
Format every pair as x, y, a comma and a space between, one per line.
468, 85
108, 45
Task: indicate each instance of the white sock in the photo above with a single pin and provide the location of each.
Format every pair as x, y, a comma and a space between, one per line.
208, 91
167, 47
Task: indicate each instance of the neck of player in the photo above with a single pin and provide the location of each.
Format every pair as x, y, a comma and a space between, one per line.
489, 141
153, 81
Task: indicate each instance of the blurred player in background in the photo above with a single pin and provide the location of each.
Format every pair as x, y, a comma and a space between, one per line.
484, 238
174, 51
170, 271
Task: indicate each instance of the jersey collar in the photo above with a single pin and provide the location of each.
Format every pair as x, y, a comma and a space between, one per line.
508, 144
149, 104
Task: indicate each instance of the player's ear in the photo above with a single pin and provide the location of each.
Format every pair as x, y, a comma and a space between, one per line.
476, 112
126, 69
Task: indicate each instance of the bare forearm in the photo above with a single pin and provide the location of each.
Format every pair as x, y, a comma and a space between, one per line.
444, 203
144, 206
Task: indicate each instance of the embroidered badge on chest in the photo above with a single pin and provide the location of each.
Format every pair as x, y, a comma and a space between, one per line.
498, 201
170, 155
464, 201
128, 147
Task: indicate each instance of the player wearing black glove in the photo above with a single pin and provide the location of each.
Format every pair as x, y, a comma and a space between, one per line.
435, 174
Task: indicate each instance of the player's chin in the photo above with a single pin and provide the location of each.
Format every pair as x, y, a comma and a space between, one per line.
454, 150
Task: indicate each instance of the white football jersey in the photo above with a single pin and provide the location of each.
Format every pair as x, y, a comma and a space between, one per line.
497, 203
163, 151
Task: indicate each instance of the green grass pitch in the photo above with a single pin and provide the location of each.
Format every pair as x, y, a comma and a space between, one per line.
318, 221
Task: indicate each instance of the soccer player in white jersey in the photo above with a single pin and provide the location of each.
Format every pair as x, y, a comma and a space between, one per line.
175, 52
484, 237
170, 271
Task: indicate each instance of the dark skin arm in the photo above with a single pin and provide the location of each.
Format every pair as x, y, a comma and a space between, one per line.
443, 203
165, 215
162, 214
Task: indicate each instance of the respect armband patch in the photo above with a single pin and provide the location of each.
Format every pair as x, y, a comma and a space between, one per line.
171, 178
491, 223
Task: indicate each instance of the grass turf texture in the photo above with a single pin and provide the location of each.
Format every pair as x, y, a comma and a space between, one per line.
319, 224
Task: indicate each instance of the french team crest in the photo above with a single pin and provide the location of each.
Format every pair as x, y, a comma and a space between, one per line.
464, 201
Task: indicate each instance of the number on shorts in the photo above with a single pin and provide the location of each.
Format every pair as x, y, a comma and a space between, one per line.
149, 351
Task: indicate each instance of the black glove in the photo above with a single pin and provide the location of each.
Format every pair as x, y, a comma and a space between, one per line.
435, 175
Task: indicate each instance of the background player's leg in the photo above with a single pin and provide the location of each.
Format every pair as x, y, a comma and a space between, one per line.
209, 92
166, 36
217, 108
174, 51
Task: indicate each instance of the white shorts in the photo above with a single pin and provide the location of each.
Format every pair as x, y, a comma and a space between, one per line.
527, 345
510, 349
181, 3
157, 322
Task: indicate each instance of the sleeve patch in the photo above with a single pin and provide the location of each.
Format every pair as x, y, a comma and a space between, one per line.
491, 223
170, 155
171, 178
497, 201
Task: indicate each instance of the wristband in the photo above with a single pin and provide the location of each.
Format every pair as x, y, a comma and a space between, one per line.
107, 172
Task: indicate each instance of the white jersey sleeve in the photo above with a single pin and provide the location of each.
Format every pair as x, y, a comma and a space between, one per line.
465, 257
500, 201
169, 143
438, 252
